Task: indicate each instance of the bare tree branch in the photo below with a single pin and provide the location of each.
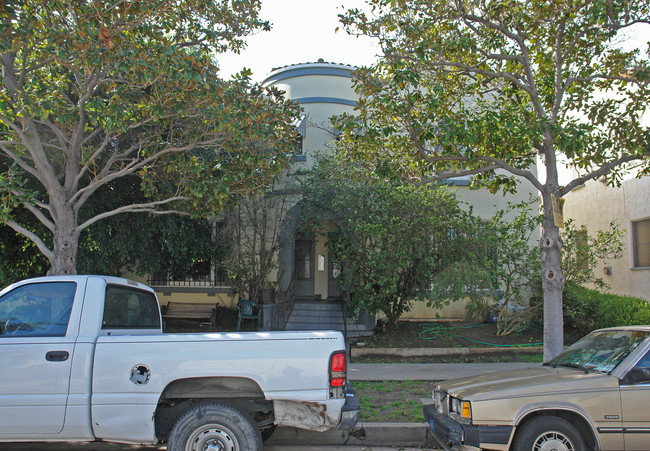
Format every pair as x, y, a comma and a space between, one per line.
149, 207
601, 171
47, 252
451, 175
38, 214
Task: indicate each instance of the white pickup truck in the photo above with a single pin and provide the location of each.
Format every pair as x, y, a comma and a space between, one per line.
83, 358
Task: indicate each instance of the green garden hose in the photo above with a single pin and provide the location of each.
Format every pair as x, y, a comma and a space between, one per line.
432, 331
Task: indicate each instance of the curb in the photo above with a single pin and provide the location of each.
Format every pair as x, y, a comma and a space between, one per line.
400, 435
432, 352
364, 434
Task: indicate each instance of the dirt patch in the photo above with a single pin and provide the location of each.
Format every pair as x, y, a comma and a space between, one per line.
413, 334
474, 342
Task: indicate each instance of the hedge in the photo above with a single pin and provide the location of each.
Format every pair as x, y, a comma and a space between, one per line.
586, 310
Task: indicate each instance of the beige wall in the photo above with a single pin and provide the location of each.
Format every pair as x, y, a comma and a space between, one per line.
595, 205
485, 204
320, 98
302, 82
420, 312
176, 294
222, 299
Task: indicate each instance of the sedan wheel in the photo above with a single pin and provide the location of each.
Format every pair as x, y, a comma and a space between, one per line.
553, 441
548, 433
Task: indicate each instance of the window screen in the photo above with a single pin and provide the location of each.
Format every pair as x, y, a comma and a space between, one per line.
127, 308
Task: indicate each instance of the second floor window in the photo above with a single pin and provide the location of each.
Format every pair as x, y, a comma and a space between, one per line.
641, 243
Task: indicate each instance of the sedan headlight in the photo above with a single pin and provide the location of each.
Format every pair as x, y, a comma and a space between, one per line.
462, 410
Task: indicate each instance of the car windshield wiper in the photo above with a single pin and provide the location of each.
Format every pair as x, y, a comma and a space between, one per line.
574, 365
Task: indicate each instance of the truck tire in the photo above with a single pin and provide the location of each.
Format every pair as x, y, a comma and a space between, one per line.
548, 432
214, 426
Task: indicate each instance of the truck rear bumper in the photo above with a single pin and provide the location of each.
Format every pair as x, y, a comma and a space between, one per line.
318, 415
350, 411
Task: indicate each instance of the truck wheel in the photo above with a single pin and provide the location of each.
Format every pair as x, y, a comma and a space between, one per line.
548, 433
214, 427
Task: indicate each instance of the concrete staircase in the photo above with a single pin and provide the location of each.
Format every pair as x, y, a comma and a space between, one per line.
322, 315
315, 315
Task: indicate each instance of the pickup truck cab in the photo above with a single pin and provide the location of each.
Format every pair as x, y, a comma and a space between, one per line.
84, 358
593, 396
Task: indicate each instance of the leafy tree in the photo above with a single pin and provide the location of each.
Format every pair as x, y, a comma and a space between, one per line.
393, 240
251, 235
514, 266
581, 252
93, 91
175, 245
486, 89
123, 244
20, 257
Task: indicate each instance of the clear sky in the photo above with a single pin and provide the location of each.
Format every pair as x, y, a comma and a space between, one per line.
303, 31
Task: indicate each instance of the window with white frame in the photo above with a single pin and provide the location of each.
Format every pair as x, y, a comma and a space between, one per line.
641, 243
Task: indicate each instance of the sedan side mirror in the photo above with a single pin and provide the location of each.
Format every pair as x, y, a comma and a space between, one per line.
637, 375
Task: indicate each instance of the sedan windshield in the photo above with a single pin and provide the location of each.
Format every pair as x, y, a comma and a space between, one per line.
600, 350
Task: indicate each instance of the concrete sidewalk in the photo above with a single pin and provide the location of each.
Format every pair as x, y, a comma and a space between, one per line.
426, 371
415, 435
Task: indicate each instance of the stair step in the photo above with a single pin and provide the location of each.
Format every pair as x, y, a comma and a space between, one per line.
323, 315
320, 326
303, 308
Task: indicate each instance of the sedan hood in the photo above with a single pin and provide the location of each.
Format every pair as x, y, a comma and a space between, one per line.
526, 382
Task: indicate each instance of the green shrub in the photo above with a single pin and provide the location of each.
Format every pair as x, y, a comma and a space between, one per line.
586, 310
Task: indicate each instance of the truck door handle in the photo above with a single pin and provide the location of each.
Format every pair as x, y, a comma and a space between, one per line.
57, 356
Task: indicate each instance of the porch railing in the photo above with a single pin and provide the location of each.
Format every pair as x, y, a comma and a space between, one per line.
217, 279
284, 305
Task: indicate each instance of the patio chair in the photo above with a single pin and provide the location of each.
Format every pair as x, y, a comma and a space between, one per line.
248, 310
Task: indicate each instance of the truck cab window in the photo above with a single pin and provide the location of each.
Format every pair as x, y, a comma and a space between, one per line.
37, 310
126, 308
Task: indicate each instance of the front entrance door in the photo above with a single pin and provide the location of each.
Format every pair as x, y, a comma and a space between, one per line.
304, 260
333, 280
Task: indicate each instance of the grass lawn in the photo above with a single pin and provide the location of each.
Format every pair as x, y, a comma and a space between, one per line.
392, 401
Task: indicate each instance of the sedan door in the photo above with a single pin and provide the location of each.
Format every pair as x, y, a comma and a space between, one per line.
635, 400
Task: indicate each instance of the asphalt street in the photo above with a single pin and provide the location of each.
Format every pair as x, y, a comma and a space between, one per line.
387, 436
116, 447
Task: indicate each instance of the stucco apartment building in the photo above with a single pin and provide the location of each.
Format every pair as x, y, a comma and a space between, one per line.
596, 205
306, 277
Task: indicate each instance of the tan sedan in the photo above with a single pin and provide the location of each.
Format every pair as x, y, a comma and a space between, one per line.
593, 396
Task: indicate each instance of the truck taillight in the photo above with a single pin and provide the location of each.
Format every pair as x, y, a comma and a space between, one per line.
338, 369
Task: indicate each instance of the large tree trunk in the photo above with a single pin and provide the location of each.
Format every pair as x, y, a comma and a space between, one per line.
552, 283
65, 243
